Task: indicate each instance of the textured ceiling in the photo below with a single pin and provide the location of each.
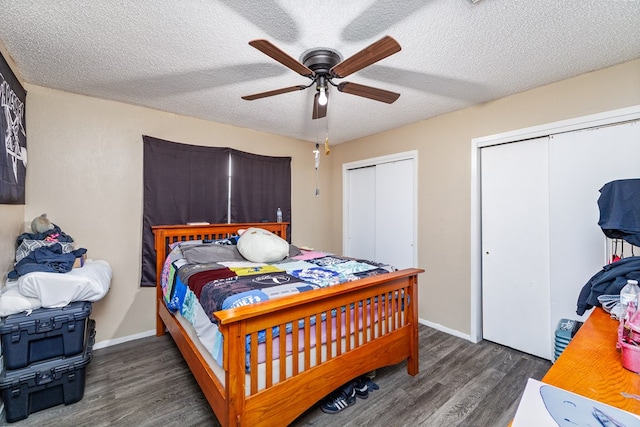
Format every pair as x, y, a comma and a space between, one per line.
192, 57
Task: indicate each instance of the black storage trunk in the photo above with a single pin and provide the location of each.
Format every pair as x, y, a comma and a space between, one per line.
46, 384
44, 334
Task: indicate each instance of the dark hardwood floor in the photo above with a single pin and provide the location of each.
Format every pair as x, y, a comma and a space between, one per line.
140, 384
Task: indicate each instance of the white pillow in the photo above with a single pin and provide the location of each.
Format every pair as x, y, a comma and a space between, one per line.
12, 301
259, 245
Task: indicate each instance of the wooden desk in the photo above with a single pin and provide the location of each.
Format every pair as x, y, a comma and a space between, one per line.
590, 365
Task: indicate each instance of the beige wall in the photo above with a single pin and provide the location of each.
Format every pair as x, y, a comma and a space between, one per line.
85, 172
11, 225
444, 159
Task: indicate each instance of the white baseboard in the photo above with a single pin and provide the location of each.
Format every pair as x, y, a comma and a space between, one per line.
444, 329
109, 343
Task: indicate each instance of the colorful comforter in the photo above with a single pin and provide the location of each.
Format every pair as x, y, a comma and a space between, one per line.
213, 275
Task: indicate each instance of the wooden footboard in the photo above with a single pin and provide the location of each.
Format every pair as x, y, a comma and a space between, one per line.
336, 334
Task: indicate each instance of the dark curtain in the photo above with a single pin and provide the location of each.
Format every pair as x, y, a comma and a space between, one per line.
259, 186
182, 183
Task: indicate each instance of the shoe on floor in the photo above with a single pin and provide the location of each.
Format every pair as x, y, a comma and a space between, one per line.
339, 400
361, 386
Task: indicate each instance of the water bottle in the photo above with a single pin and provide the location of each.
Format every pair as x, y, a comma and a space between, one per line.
628, 295
279, 216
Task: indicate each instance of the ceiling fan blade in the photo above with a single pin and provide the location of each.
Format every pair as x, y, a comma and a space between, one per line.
319, 111
368, 92
384, 47
282, 57
273, 92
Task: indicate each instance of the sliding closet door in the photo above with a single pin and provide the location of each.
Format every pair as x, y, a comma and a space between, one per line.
394, 214
541, 242
581, 162
515, 246
361, 221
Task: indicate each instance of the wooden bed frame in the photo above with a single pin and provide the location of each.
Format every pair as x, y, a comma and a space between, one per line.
390, 336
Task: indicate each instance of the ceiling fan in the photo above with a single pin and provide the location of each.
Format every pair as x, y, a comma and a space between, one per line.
322, 65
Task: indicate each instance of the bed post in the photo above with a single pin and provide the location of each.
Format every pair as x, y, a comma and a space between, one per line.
414, 359
234, 366
160, 247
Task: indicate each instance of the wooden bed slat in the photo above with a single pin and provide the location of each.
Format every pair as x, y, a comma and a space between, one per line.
307, 343
283, 354
254, 361
318, 334
269, 358
294, 350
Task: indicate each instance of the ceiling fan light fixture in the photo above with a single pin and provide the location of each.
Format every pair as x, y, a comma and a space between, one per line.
322, 99
322, 89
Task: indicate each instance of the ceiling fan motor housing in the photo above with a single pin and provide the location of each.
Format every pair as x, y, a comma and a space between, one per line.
321, 60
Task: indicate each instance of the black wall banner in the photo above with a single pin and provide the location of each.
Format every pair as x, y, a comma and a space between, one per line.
13, 137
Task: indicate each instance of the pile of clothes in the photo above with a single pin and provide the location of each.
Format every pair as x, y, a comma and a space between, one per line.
46, 249
619, 205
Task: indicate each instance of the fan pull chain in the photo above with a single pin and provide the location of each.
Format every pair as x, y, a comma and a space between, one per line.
316, 155
326, 140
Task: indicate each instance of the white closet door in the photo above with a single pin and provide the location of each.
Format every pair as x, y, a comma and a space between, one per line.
581, 163
362, 213
515, 246
394, 214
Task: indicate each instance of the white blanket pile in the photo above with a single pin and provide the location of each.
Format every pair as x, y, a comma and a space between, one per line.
90, 282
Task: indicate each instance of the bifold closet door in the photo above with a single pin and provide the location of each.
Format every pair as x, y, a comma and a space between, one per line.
515, 245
